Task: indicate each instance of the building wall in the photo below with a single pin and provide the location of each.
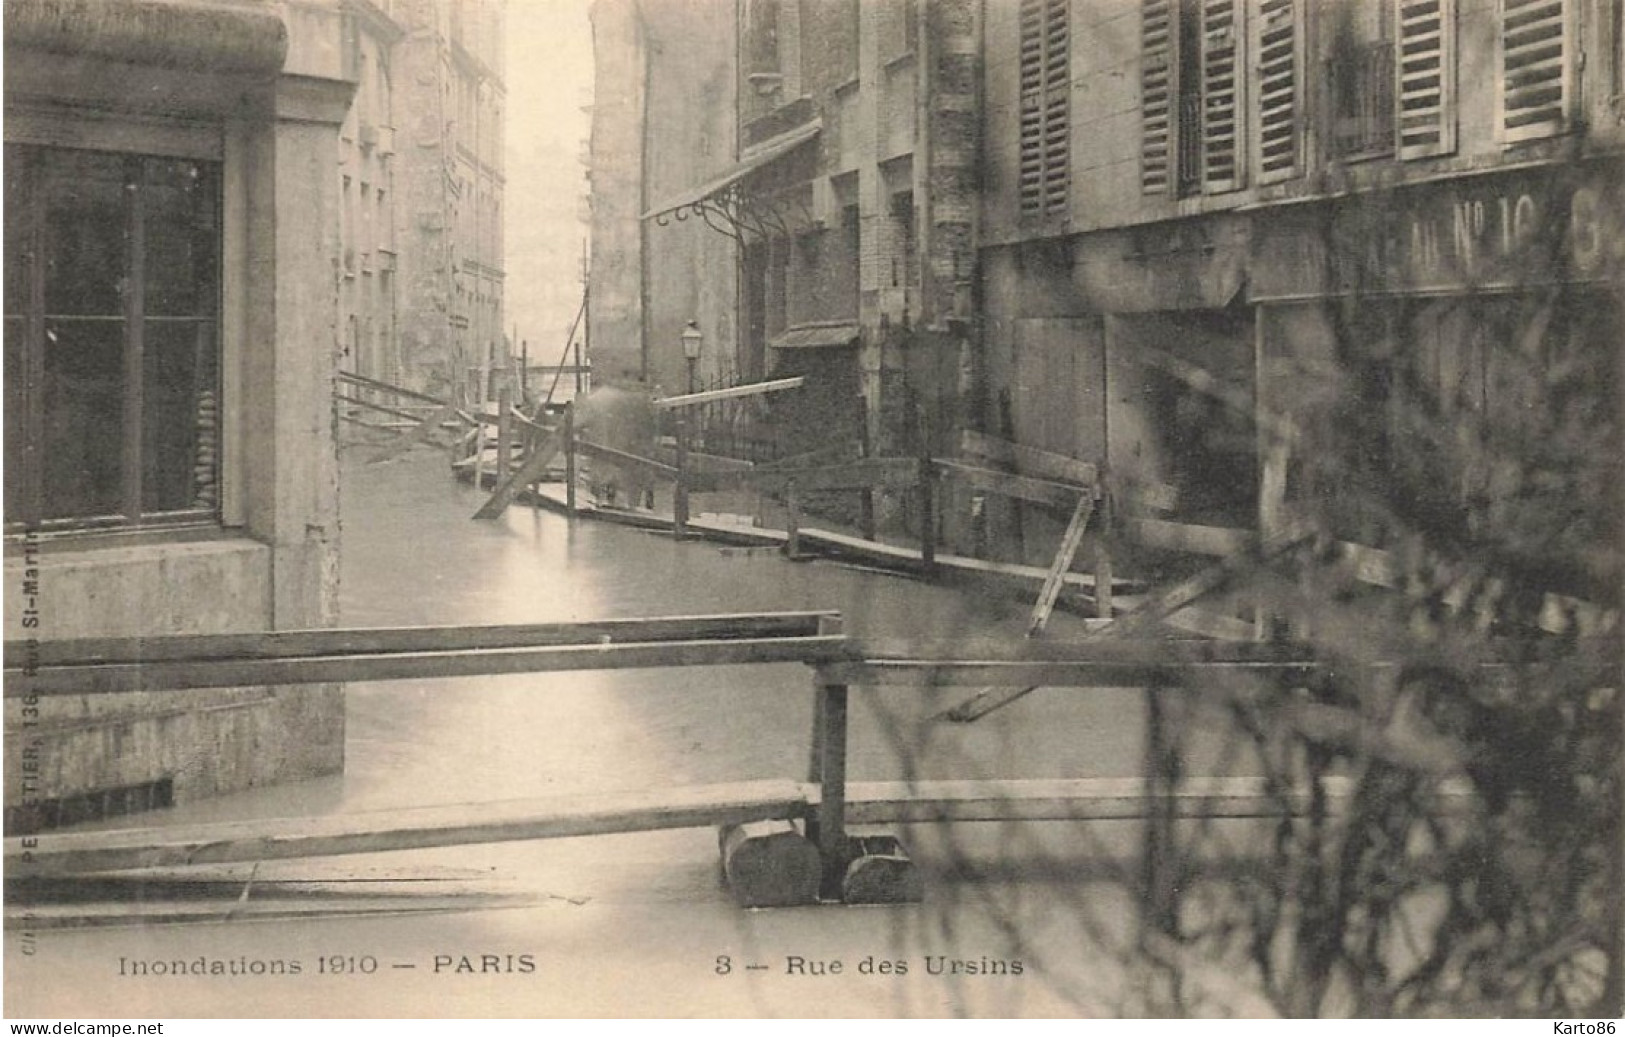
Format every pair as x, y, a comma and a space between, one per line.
616, 292
688, 138
207, 83
1222, 270
422, 270
1106, 88
368, 268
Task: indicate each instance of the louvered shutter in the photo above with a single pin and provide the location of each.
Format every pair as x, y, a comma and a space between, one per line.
1057, 107
1159, 43
1222, 165
1426, 71
1045, 108
1278, 44
1535, 68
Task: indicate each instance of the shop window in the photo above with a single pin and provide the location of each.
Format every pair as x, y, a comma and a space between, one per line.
1046, 139
1393, 79
1536, 68
112, 396
1191, 111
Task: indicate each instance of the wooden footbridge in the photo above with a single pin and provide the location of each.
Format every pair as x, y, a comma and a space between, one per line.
784, 841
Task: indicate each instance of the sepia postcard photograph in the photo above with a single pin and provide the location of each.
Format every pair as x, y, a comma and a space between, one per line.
900, 509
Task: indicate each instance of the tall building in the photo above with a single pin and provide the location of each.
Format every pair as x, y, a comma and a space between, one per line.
172, 231
421, 184
663, 120
804, 177
1210, 179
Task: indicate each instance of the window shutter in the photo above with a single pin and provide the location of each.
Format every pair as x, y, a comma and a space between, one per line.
1279, 29
1045, 102
1159, 41
1427, 78
1221, 82
1535, 63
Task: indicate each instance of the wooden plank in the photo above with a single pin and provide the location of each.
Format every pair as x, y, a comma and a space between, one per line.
1022, 487
717, 463
426, 428
1058, 569
413, 418
1211, 624
1219, 541
286, 644
626, 460
461, 824
896, 472
1028, 460
534, 468
731, 393
1051, 590
1152, 611
1136, 651
1093, 799
373, 383
1028, 676
390, 427
329, 669
827, 455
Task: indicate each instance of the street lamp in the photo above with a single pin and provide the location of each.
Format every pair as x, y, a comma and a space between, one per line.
692, 337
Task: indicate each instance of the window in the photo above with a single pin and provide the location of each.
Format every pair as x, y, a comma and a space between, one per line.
1393, 85
1190, 96
1536, 69
112, 397
1278, 27
1045, 92
896, 26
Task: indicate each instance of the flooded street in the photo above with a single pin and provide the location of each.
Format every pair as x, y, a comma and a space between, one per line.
633, 925
413, 556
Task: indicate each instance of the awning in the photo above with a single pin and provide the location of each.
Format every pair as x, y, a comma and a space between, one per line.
753, 158
822, 335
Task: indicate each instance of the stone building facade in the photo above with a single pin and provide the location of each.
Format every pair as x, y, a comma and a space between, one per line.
825, 191
1221, 183
421, 188
172, 231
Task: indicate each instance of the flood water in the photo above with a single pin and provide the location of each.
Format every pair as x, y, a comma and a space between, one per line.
412, 555
632, 925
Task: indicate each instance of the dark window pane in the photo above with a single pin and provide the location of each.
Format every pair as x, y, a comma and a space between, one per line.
86, 232
182, 238
83, 420
19, 218
17, 392
180, 416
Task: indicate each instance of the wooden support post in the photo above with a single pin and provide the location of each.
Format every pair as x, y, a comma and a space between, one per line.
928, 492
928, 515
479, 452
792, 521
831, 777
504, 433
679, 504
1103, 558
866, 502
569, 458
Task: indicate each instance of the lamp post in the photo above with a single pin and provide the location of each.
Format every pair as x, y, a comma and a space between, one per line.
692, 338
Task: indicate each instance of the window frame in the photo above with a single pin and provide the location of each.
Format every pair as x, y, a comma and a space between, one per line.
133, 137
1568, 79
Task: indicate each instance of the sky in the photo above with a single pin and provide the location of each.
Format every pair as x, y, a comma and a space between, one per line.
549, 88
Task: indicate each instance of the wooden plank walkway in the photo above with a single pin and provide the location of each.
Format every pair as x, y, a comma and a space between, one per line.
1085, 799
867, 803
381, 831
